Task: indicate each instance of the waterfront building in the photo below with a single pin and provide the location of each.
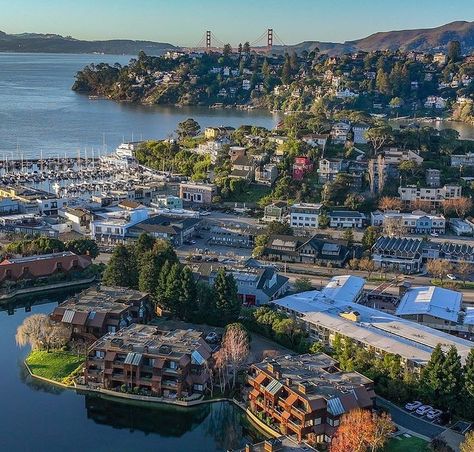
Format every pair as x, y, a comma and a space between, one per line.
149, 361
307, 394
301, 167
459, 160
334, 311
234, 235
168, 202
100, 310
266, 174
460, 227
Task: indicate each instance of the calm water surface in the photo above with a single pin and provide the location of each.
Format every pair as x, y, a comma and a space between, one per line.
39, 417
39, 111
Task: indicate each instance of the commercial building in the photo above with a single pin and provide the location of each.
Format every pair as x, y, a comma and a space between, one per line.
198, 193
398, 253
346, 219
153, 362
326, 315
307, 394
238, 236
113, 226
305, 215
100, 310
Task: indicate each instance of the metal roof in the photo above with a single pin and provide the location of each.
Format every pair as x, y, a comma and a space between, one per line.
335, 406
133, 358
273, 387
68, 316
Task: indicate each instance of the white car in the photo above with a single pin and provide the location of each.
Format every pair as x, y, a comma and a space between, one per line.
212, 337
423, 409
412, 406
451, 276
434, 234
433, 414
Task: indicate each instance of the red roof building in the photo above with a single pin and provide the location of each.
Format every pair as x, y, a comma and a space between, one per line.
301, 167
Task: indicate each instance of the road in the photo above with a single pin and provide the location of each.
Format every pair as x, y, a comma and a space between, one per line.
410, 421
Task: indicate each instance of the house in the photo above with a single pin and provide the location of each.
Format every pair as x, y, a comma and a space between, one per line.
112, 226
345, 93
14, 269
435, 102
168, 202
433, 196
175, 229
27, 224
266, 174
33, 200
276, 211
398, 253
243, 168
9, 206
305, 215
339, 132
316, 140
460, 227
212, 133
327, 316
459, 160
312, 250
153, 362
255, 286
359, 131
306, 395
301, 167
199, 193
417, 222
100, 310
329, 169
433, 177
79, 218
346, 219
394, 156
440, 58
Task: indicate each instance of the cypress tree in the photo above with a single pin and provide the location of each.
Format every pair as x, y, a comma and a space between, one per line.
160, 294
469, 374
149, 273
121, 270
172, 291
227, 301
433, 374
187, 297
452, 379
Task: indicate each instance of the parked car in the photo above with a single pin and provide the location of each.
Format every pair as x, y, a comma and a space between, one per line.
451, 276
433, 414
434, 234
212, 337
412, 406
423, 409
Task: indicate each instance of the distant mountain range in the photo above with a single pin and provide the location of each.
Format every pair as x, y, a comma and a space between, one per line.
423, 39
51, 43
427, 39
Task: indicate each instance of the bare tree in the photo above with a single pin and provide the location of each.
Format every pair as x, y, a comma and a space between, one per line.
40, 332
389, 203
236, 348
394, 227
368, 265
464, 269
438, 268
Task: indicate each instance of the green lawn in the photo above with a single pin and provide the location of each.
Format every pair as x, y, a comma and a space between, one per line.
55, 365
412, 444
251, 194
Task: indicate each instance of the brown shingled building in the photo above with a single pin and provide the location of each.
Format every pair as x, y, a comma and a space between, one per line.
307, 394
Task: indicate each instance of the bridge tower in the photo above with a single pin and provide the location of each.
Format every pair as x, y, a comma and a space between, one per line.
208, 40
269, 39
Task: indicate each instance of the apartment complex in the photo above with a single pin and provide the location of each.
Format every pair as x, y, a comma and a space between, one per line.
305, 215
417, 222
169, 364
307, 394
346, 219
397, 253
100, 310
435, 196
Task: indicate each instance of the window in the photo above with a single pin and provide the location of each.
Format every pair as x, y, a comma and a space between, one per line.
98, 229
100, 354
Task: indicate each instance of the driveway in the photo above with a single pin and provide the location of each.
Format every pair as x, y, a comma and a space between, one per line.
409, 421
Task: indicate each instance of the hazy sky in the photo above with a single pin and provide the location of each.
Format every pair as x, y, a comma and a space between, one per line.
184, 21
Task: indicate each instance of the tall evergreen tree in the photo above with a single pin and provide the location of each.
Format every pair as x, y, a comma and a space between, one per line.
205, 302
122, 269
432, 377
469, 374
187, 296
227, 300
286, 71
160, 294
149, 273
452, 379
172, 291
144, 244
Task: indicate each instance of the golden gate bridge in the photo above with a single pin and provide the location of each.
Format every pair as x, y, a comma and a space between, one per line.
264, 43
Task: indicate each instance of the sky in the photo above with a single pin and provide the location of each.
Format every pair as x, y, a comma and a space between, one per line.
183, 22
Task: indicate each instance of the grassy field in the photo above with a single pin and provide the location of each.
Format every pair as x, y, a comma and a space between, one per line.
412, 444
55, 365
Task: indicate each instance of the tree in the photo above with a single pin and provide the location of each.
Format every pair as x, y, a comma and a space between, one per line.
323, 221
149, 273
433, 373
187, 296
286, 71
370, 236
379, 136
459, 206
464, 270
227, 301
121, 270
389, 203
172, 291
438, 268
368, 265
469, 373
235, 344
188, 128
454, 51
246, 48
348, 235
226, 50
160, 294
353, 201
382, 82
83, 247
468, 444
302, 284
40, 332
277, 228
360, 430
452, 379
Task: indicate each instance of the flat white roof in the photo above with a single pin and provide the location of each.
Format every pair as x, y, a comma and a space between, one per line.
381, 330
435, 301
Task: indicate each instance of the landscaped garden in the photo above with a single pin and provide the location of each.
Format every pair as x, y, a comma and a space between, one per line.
55, 365
405, 443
